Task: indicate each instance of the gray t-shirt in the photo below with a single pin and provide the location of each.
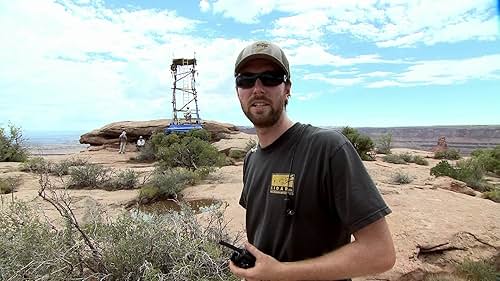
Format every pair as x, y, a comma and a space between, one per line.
333, 195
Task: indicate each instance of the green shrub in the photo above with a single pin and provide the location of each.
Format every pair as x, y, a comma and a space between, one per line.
63, 167
12, 145
489, 158
441, 277
40, 165
407, 157
443, 168
149, 193
477, 270
9, 184
190, 153
394, 159
171, 246
383, 145
401, 178
493, 195
201, 134
419, 160
362, 143
469, 171
36, 165
449, 154
89, 176
251, 143
203, 172
147, 153
125, 179
171, 181
237, 154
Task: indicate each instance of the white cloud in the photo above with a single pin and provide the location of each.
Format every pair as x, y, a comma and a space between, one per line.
386, 23
376, 74
204, 5
304, 25
315, 54
383, 84
333, 81
247, 12
95, 64
445, 72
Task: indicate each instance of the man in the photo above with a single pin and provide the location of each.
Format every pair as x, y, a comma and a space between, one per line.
140, 143
305, 188
123, 142
187, 114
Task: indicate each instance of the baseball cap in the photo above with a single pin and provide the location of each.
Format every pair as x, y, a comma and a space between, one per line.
262, 50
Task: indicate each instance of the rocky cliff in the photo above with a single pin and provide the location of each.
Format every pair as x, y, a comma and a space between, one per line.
108, 135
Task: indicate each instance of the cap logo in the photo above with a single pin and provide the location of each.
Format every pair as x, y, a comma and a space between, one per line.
260, 46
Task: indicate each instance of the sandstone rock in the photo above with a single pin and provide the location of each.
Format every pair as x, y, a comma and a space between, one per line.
453, 185
108, 135
234, 142
441, 145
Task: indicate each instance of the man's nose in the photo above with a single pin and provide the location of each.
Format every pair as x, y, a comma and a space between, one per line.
258, 88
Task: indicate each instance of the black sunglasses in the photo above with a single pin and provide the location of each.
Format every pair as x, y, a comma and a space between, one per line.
268, 79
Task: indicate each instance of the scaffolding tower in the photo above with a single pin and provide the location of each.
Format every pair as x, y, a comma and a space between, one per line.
186, 114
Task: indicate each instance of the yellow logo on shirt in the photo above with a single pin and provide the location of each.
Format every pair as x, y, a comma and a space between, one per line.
282, 184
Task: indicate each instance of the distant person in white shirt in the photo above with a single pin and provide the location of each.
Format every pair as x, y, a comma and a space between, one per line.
187, 114
123, 142
140, 143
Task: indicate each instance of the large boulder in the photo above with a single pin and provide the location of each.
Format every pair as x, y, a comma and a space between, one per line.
108, 135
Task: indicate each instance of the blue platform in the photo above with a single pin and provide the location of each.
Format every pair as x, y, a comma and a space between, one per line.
181, 128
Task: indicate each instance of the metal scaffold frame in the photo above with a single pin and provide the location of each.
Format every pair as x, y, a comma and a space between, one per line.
186, 114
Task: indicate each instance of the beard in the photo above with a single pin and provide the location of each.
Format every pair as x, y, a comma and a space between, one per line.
265, 119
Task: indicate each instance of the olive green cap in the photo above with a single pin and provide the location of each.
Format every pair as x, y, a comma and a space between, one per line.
262, 50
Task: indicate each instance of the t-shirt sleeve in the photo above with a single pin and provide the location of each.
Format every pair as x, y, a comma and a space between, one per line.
243, 196
353, 193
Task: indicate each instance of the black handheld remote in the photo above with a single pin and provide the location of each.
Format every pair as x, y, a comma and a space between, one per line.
240, 257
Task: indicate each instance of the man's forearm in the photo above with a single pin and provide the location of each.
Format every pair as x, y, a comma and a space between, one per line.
372, 252
349, 261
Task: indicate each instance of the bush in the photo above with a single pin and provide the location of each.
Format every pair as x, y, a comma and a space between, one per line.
12, 145
170, 182
394, 159
63, 167
493, 195
469, 171
36, 165
383, 145
41, 166
147, 153
190, 153
126, 179
172, 246
237, 154
9, 184
477, 270
419, 160
449, 154
89, 176
489, 158
443, 168
362, 143
201, 134
401, 178
251, 143
405, 158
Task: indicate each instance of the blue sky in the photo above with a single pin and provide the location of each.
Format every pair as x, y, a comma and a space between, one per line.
79, 65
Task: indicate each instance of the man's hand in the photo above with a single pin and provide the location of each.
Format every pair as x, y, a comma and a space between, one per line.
266, 267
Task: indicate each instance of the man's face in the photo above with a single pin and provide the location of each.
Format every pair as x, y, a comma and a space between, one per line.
263, 105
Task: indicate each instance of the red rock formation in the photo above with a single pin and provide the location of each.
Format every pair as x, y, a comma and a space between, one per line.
108, 135
441, 145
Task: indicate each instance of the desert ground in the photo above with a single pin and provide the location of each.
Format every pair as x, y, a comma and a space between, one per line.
425, 213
